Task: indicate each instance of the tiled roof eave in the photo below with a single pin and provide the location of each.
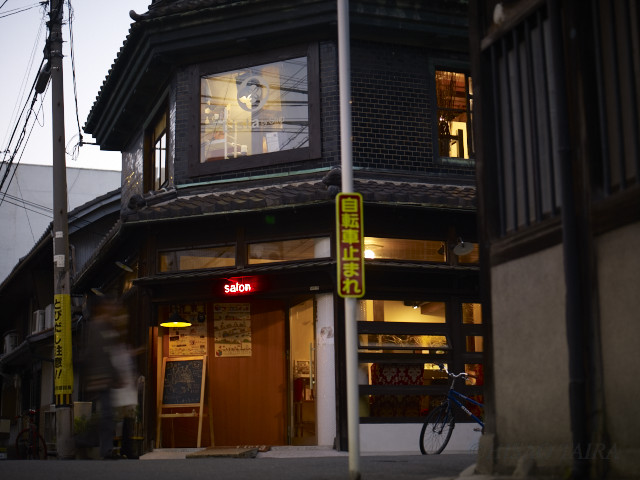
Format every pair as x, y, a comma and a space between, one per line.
327, 263
171, 206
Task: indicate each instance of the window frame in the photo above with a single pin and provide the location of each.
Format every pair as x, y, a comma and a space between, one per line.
150, 180
455, 355
249, 243
310, 51
164, 251
457, 67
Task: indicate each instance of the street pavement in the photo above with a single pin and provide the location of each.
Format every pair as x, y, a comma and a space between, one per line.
299, 464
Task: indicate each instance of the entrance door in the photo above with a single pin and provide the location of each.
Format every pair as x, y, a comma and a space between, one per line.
249, 389
302, 373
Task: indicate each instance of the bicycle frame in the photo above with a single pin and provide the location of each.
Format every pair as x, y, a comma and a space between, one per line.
29, 443
440, 422
454, 396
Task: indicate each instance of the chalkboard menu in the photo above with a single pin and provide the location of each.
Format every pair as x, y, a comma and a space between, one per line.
183, 380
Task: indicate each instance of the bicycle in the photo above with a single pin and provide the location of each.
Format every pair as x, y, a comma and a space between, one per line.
438, 426
30, 445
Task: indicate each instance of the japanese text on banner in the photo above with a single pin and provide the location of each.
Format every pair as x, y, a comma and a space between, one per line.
350, 252
62, 348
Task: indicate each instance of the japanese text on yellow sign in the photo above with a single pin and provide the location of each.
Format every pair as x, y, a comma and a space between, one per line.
62, 357
350, 252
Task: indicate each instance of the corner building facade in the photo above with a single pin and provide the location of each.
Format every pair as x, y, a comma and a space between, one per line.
227, 117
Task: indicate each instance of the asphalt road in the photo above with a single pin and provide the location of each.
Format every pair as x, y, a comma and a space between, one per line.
403, 467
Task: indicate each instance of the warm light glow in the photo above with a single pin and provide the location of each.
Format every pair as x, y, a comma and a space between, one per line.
369, 254
175, 324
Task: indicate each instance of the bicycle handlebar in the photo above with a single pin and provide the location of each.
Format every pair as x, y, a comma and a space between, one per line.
453, 375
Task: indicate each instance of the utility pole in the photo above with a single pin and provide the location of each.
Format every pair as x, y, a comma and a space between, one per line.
63, 362
350, 301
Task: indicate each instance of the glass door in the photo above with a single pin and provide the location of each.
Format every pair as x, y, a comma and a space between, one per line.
302, 373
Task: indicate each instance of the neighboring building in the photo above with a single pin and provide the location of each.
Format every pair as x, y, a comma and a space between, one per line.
27, 205
557, 108
26, 299
227, 116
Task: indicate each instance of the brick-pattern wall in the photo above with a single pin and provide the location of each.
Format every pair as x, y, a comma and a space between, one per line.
392, 113
391, 108
132, 170
186, 86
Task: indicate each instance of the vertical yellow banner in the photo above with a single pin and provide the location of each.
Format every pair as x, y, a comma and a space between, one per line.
350, 251
62, 353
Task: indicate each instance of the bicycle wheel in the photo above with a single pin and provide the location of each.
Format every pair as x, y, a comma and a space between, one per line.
436, 430
30, 446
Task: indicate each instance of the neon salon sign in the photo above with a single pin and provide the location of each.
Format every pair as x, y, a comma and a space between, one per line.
239, 287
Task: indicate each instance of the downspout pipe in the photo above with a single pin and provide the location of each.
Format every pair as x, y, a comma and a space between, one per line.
572, 255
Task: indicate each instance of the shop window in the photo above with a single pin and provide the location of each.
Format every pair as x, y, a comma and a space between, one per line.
197, 259
471, 314
401, 345
288, 250
454, 93
258, 114
474, 343
156, 154
404, 249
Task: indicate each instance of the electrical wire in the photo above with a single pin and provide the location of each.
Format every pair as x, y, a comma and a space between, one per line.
10, 163
73, 71
20, 9
27, 73
13, 155
19, 144
17, 149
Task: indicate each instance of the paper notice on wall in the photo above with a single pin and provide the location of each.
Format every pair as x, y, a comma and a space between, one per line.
232, 329
189, 340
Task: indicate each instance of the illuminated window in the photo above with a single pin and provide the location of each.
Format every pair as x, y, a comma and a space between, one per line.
254, 110
454, 94
197, 259
472, 313
404, 249
400, 347
289, 250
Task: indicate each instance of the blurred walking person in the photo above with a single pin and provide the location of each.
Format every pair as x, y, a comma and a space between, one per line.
104, 341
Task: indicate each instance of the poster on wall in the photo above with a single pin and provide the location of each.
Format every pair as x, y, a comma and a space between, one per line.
189, 340
232, 329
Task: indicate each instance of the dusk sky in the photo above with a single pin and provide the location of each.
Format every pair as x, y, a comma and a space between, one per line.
99, 30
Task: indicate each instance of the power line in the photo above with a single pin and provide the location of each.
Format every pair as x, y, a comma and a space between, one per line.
20, 10
10, 153
23, 85
73, 70
19, 148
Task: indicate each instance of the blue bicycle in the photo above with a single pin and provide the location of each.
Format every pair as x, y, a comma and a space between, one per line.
439, 424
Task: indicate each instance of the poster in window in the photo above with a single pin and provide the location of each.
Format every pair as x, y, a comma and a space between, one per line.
189, 340
232, 329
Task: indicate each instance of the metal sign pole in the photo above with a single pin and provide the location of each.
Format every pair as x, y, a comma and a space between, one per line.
344, 67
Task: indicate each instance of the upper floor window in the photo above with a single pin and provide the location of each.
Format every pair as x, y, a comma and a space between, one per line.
454, 93
254, 112
156, 161
197, 258
288, 250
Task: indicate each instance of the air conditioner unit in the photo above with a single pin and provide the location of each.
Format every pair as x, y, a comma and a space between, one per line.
10, 342
38, 321
48, 317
